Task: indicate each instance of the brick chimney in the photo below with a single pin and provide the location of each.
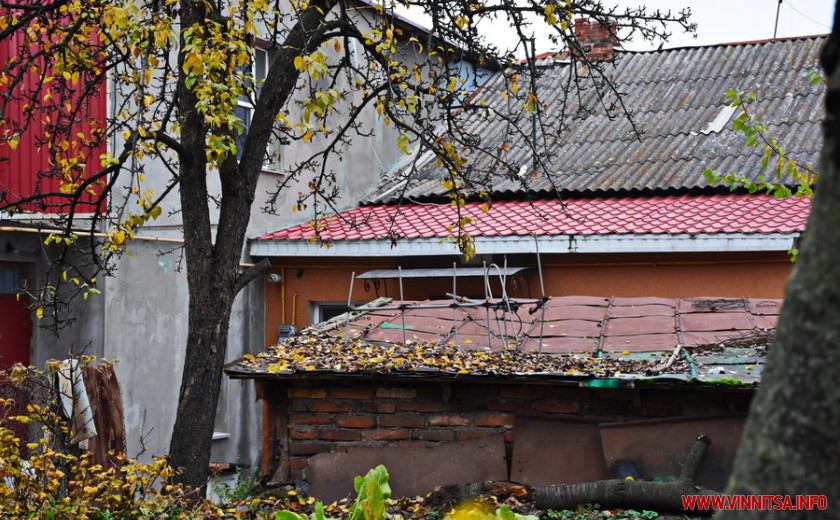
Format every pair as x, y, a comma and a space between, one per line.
597, 39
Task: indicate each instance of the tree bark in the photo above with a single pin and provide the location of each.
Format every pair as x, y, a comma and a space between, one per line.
657, 496
791, 443
213, 275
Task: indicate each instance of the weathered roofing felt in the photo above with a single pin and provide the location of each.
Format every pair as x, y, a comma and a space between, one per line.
581, 337
677, 101
761, 214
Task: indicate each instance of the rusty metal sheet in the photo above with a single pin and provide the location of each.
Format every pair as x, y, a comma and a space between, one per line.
441, 327
640, 343
635, 302
413, 470
595, 301
658, 447
759, 306
569, 328
552, 451
395, 335
691, 339
766, 322
475, 342
638, 326
712, 305
634, 311
573, 312
706, 321
559, 345
477, 328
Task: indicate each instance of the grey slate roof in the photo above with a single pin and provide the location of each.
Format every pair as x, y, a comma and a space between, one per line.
673, 95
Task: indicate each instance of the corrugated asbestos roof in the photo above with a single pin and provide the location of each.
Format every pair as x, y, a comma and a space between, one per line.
762, 214
697, 339
673, 96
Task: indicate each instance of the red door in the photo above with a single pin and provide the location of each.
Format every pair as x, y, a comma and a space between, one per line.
15, 331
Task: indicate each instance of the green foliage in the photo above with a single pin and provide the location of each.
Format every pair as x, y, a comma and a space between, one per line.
373, 492
232, 493
774, 156
371, 503
594, 512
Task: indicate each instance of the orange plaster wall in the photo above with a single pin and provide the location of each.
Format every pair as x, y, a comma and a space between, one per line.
726, 280
302, 285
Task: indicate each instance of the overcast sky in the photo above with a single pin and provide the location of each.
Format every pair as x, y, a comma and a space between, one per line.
720, 21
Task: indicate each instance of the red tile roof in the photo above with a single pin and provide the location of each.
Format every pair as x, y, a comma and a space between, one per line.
684, 214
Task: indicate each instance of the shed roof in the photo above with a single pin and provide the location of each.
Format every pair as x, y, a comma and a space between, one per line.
677, 102
667, 215
572, 338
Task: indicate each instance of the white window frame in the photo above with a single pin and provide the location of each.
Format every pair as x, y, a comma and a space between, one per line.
259, 71
316, 308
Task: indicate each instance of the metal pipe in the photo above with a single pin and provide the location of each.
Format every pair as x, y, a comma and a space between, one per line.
349, 301
503, 276
294, 309
470, 304
542, 293
503, 333
283, 294
489, 332
402, 306
454, 308
83, 234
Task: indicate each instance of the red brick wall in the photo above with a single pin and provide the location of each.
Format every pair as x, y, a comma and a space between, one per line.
332, 415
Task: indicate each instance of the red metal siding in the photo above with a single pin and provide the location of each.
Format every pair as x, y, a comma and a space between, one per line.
30, 168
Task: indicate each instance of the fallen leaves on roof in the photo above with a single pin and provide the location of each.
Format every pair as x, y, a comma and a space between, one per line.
322, 353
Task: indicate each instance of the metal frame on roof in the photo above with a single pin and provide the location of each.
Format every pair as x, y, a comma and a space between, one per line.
503, 303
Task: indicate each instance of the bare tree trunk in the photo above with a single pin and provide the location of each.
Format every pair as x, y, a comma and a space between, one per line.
791, 444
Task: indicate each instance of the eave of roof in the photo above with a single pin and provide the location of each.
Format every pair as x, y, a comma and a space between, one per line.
648, 243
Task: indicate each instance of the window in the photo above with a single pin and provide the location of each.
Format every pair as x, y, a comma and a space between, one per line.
323, 311
244, 110
10, 278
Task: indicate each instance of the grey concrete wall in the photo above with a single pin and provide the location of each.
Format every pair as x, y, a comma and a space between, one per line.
146, 329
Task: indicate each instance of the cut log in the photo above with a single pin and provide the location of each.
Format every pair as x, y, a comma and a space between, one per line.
615, 493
